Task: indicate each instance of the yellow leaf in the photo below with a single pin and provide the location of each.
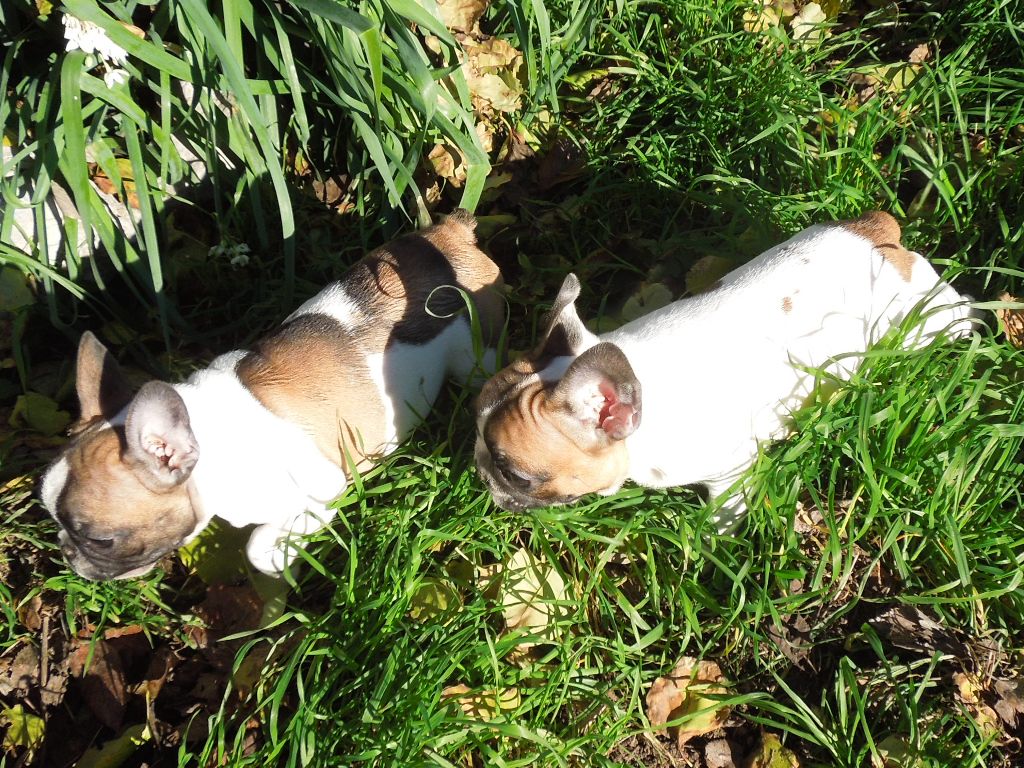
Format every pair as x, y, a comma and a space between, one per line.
647, 298
530, 596
115, 752
1011, 320
433, 597
24, 730
38, 413
14, 291
688, 692
895, 752
706, 272
771, 754
483, 705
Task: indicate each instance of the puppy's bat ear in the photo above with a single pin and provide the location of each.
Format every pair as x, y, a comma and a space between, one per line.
565, 335
102, 388
601, 390
161, 448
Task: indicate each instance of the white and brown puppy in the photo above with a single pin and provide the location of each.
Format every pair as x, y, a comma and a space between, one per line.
270, 436
712, 376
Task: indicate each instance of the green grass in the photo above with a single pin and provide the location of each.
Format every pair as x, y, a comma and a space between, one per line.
707, 140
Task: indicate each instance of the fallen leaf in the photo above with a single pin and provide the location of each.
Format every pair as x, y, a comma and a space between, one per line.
706, 272
771, 754
687, 692
462, 15
531, 595
895, 752
1009, 700
493, 72
24, 730
226, 610
29, 613
920, 54
22, 671
483, 705
647, 298
99, 667
969, 691
14, 291
793, 638
761, 18
808, 24
38, 413
909, 627
449, 163
1011, 320
432, 599
718, 754
115, 752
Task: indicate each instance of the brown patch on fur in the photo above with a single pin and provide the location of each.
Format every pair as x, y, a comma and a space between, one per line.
408, 287
313, 373
884, 232
105, 496
544, 441
787, 304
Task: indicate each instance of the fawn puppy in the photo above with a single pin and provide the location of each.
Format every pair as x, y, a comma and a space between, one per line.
686, 394
270, 435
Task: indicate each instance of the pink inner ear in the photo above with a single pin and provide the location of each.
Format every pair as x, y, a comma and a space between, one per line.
617, 419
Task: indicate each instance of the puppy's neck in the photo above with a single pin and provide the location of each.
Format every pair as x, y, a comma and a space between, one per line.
254, 467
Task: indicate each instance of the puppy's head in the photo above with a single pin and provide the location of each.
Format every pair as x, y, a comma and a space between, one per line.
551, 426
120, 491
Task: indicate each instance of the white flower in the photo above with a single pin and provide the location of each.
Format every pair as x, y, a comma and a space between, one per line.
115, 76
91, 38
237, 254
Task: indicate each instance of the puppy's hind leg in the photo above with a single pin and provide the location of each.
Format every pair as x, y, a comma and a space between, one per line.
728, 503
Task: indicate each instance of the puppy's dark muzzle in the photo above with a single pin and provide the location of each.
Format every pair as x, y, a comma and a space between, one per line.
100, 567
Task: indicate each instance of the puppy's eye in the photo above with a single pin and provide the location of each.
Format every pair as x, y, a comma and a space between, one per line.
101, 543
514, 477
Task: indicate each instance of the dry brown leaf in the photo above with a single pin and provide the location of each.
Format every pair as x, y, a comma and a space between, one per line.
688, 691
718, 754
920, 54
1009, 700
493, 72
1012, 321
448, 163
462, 15
99, 666
969, 690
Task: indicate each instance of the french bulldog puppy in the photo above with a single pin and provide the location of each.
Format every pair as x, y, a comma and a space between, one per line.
271, 435
686, 394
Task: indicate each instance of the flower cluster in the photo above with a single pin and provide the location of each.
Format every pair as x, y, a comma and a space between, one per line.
237, 254
92, 39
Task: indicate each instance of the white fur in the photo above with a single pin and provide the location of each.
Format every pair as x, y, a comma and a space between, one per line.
255, 467
721, 372
334, 302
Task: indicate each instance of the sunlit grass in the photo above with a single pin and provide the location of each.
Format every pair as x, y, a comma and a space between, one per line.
709, 140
